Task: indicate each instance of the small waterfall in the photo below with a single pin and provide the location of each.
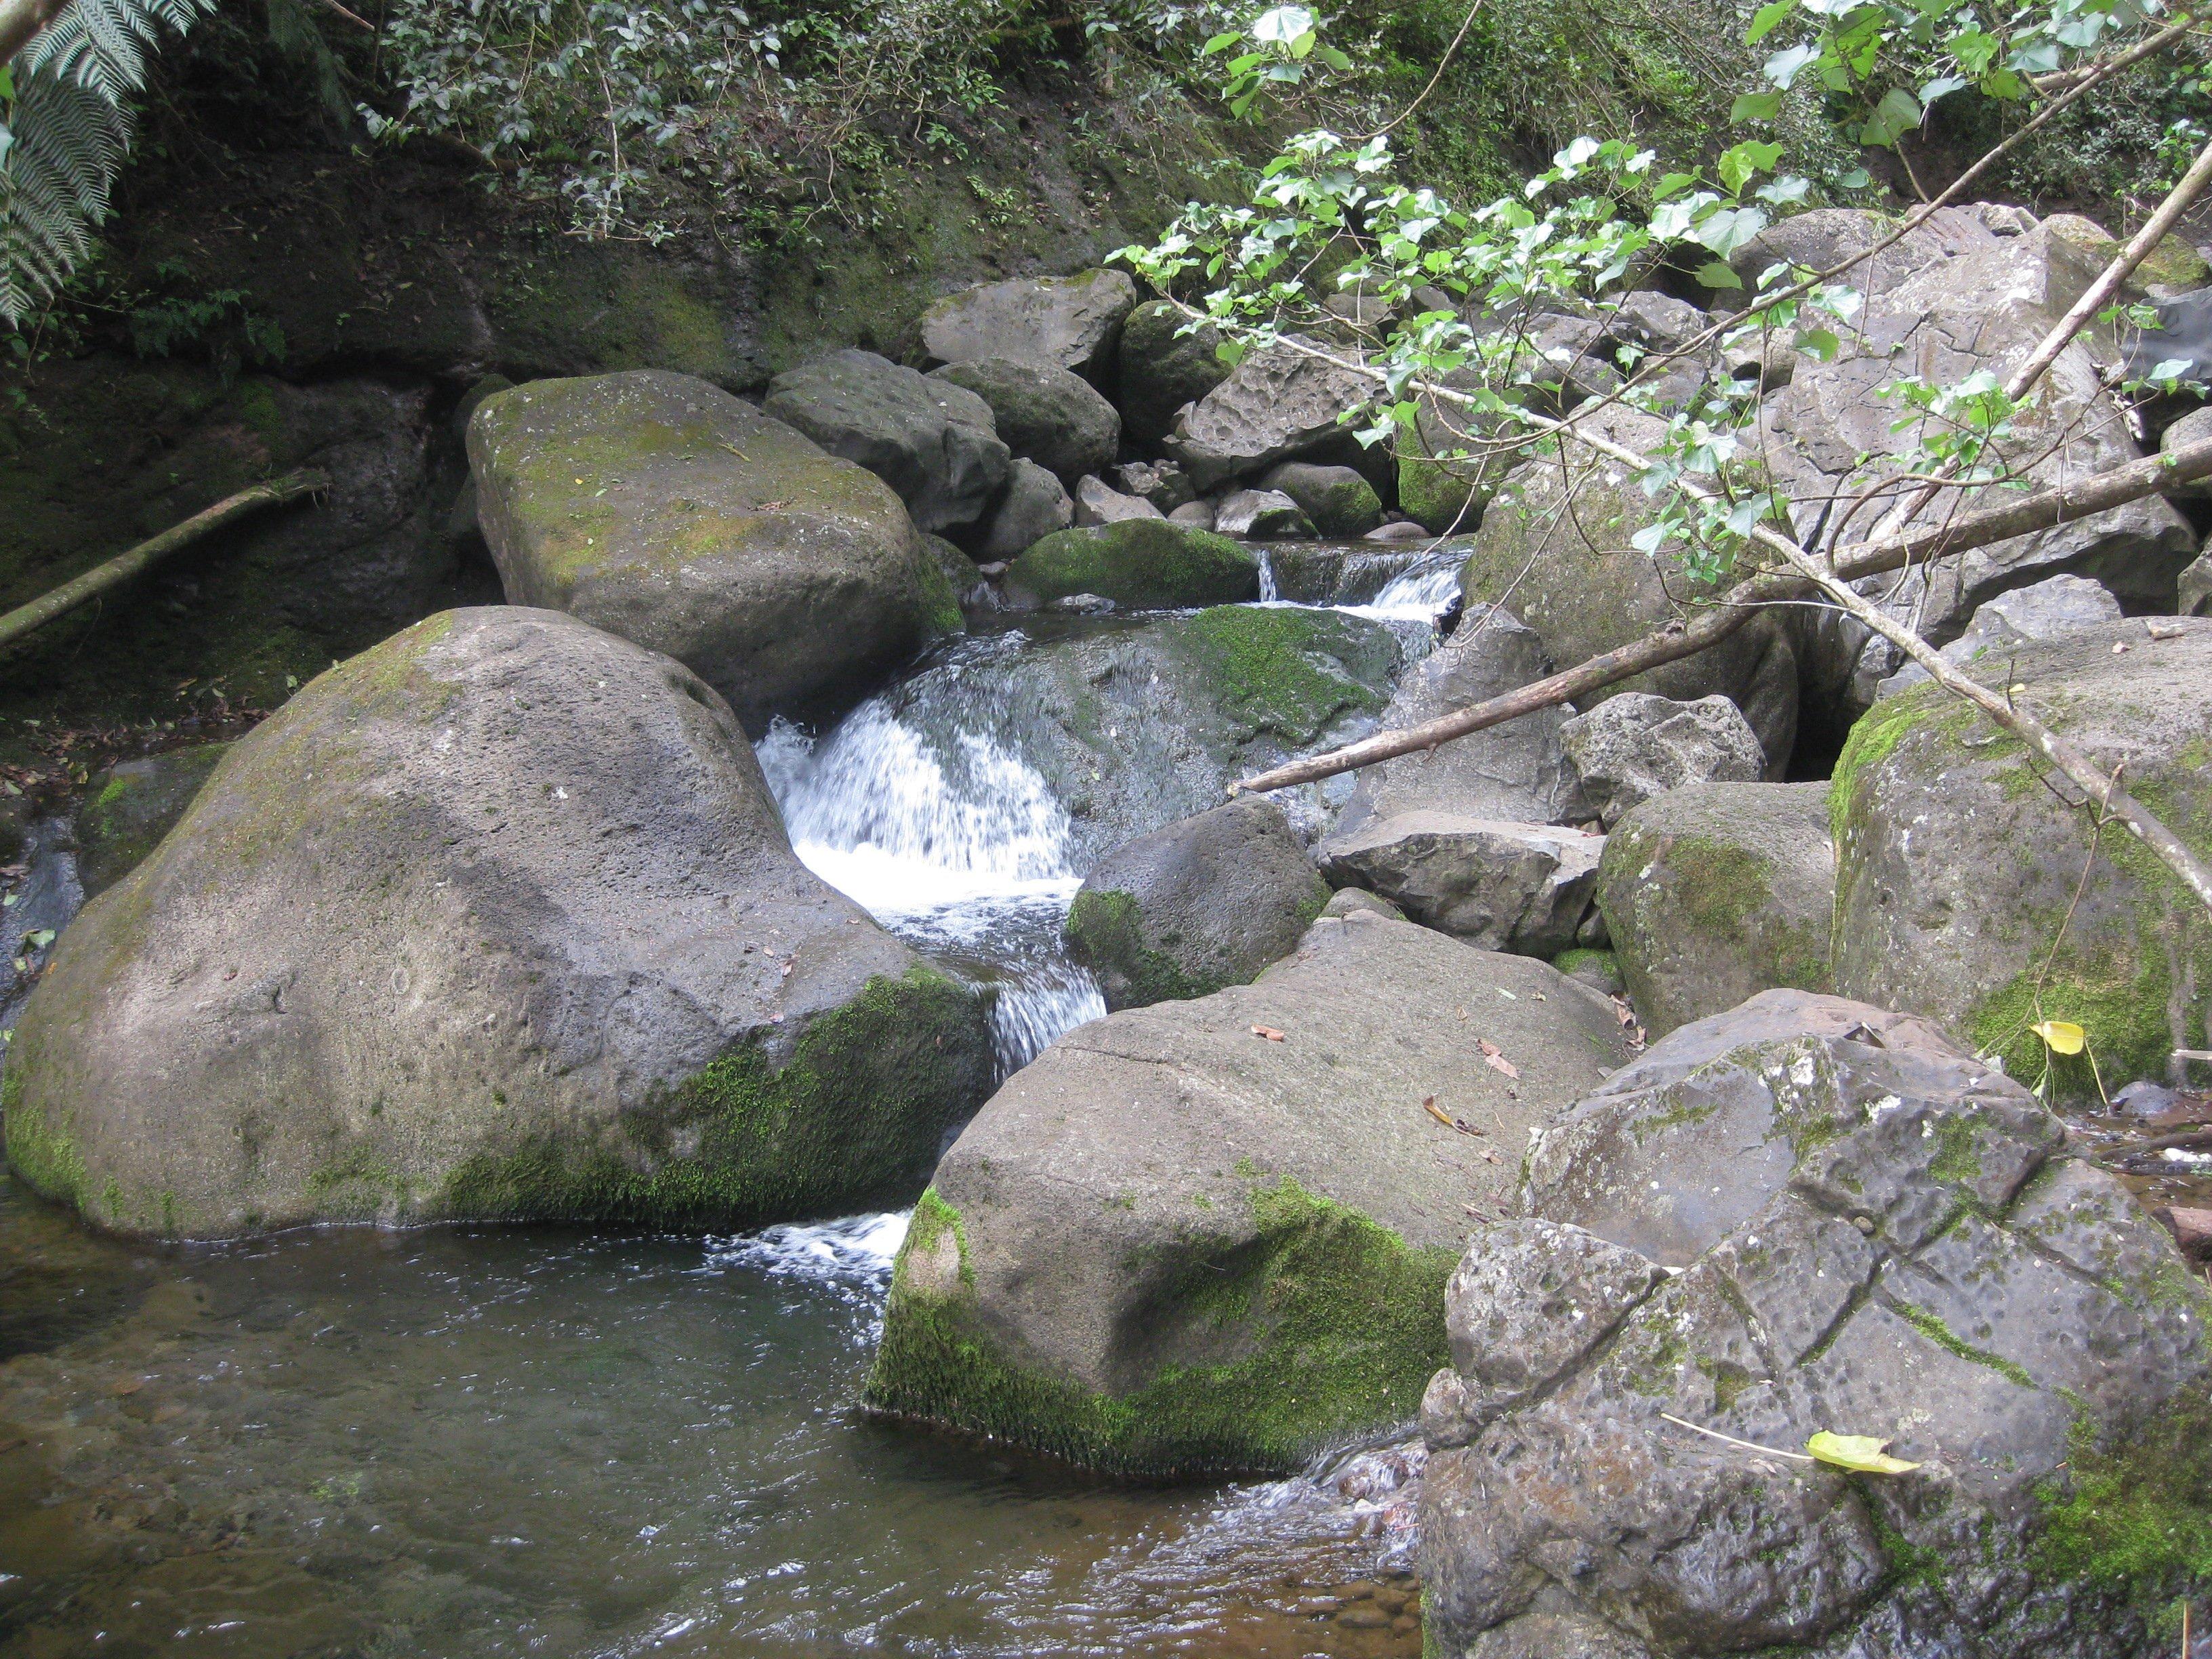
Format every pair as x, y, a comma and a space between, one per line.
1420, 592
1269, 591
959, 848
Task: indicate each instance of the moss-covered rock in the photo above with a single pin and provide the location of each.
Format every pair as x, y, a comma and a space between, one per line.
1714, 892
1141, 563
1163, 369
667, 511
496, 920
1170, 1246
1968, 891
133, 804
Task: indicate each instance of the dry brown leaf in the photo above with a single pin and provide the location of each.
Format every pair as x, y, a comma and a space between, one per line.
1269, 1033
1490, 1155
1428, 1105
1494, 1057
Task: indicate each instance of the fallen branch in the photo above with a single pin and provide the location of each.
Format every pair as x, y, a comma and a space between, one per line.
123, 567
2045, 509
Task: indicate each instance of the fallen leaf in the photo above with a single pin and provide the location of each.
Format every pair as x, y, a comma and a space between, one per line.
1494, 1057
1507, 995
2119, 647
1269, 1033
1428, 1105
1490, 1157
1859, 1452
129, 1385
2061, 1037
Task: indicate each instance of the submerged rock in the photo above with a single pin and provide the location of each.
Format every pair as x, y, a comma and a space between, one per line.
1809, 1215
1043, 413
1526, 888
133, 804
496, 920
1714, 892
1634, 746
1956, 869
1207, 902
1144, 563
1174, 1243
931, 440
1067, 322
665, 510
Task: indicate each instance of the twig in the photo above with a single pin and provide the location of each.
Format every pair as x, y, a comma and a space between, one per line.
124, 565
1770, 1451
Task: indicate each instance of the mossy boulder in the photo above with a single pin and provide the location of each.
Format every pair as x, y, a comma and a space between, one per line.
1716, 892
666, 511
1043, 413
1163, 369
1968, 889
1811, 1215
1174, 1244
1196, 906
497, 920
1147, 564
131, 805
1559, 546
1337, 500
2173, 268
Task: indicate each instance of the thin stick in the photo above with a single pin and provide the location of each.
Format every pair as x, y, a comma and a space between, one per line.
1770, 1451
124, 565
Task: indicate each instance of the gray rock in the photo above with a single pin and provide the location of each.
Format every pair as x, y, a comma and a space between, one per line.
1161, 483
1199, 905
1600, 969
131, 805
965, 580
1516, 771
1587, 588
1636, 745
1716, 892
509, 928
1279, 404
1043, 413
1199, 515
1033, 507
1956, 867
1399, 529
931, 441
1065, 322
1260, 515
2194, 428
665, 510
1145, 563
1163, 369
1866, 1231
1095, 503
2048, 609
1138, 726
1524, 888
1174, 1243
1340, 501
1353, 900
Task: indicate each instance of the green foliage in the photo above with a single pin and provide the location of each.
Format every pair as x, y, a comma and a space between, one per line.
2134, 1510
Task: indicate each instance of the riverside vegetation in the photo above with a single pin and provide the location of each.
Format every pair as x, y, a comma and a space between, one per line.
1450, 755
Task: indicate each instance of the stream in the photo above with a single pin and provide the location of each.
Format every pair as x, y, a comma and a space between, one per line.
493, 1441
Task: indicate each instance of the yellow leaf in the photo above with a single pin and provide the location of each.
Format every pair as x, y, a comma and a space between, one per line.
2061, 1036
1859, 1452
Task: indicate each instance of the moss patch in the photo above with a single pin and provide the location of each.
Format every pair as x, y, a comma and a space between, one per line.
1148, 563
1346, 1327
853, 1118
2134, 1512
1291, 674
1105, 931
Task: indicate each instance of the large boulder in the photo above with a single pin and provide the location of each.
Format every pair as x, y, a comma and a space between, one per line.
1635, 745
2048, 609
1714, 892
1279, 404
1213, 1235
663, 509
1968, 889
1561, 546
1197, 905
496, 920
1098, 502
1526, 888
1065, 322
1033, 507
1145, 563
1261, 515
1163, 369
1136, 725
1044, 413
932, 441
1975, 290
1339, 501
131, 805
1805, 1216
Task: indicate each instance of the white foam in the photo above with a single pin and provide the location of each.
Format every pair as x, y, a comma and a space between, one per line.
854, 1253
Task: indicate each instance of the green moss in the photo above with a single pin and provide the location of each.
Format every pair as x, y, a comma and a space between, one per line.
1603, 962
1944, 1337
852, 1120
1344, 1323
1148, 563
1719, 886
2133, 1511
1872, 740
40, 1149
1105, 931
1290, 672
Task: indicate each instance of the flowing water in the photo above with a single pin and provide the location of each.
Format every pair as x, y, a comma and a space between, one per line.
491, 1441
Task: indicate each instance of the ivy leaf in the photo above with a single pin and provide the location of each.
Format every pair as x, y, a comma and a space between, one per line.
1860, 1453
1740, 163
1219, 43
1782, 68
2061, 1037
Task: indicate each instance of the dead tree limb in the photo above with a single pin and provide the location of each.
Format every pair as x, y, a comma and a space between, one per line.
124, 565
